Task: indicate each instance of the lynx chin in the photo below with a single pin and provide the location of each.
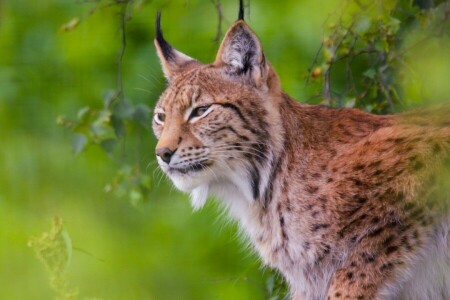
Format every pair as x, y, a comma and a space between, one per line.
345, 204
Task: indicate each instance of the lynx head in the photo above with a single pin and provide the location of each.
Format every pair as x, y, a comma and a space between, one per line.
216, 122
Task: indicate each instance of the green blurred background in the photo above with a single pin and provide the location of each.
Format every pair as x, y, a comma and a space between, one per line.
58, 56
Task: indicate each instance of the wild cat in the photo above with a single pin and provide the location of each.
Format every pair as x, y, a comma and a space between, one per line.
345, 204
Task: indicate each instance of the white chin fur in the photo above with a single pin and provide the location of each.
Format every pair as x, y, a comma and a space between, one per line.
199, 196
184, 183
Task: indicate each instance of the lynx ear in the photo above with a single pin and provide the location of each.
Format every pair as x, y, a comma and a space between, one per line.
172, 61
241, 53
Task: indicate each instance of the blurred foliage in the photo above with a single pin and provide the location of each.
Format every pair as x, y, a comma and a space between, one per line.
90, 65
54, 249
363, 52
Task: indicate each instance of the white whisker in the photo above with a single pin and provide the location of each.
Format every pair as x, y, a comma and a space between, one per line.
143, 90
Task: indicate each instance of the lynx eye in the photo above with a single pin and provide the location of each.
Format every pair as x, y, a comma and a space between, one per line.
199, 111
160, 118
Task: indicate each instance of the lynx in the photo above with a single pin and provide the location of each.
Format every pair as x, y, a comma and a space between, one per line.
343, 203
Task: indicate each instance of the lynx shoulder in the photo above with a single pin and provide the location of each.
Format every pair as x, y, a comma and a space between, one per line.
345, 204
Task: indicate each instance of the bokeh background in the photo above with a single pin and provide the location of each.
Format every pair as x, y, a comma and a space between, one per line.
76, 145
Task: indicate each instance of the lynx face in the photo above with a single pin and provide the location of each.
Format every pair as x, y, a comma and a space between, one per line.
213, 121
198, 132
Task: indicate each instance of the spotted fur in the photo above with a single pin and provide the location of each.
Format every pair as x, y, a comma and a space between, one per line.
345, 204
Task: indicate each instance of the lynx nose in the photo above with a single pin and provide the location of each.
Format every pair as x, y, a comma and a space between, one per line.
165, 154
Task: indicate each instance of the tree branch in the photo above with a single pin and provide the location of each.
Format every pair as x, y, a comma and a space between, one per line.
123, 20
218, 7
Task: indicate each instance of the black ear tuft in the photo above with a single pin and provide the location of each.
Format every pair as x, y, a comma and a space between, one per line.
173, 62
166, 49
241, 10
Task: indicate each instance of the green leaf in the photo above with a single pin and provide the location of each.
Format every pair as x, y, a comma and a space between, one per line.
142, 116
362, 25
328, 54
79, 142
108, 145
108, 98
101, 127
124, 109
394, 24
350, 103
136, 197
369, 108
370, 73
118, 126
146, 182
69, 26
82, 114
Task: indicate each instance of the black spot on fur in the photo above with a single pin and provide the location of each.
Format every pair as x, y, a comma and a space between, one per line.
359, 167
408, 206
376, 232
393, 223
436, 148
311, 189
391, 249
356, 181
360, 199
368, 258
416, 213
350, 275
316, 227
377, 172
418, 165
322, 199
386, 267
399, 140
353, 211
388, 240
375, 164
